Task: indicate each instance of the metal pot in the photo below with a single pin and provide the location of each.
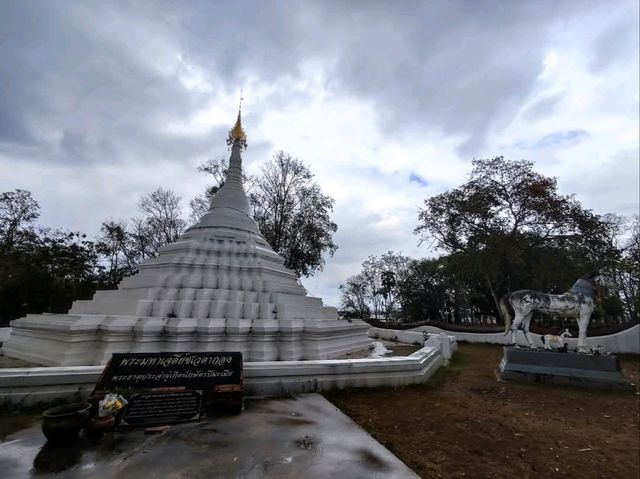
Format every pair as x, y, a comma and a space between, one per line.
63, 423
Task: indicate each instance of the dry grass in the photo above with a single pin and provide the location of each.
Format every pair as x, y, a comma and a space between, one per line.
464, 423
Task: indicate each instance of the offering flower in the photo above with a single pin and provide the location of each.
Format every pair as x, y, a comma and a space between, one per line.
111, 404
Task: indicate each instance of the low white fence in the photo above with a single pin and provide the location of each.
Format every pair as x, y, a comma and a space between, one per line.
405, 336
623, 342
28, 386
445, 342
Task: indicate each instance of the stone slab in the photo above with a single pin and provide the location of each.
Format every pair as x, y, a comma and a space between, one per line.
280, 438
594, 371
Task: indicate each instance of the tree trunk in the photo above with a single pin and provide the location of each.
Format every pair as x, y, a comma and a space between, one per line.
628, 298
495, 298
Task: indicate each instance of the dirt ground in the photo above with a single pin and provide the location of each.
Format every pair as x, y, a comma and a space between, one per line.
464, 423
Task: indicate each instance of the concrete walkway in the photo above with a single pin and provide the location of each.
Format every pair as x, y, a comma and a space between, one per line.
303, 437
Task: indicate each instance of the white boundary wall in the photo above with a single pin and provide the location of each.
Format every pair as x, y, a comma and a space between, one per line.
406, 336
623, 342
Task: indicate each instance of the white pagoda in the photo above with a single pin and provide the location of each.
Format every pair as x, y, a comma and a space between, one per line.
219, 287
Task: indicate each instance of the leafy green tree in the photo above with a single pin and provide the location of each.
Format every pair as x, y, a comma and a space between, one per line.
433, 292
45, 272
18, 210
69, 265
510, 227
425, 290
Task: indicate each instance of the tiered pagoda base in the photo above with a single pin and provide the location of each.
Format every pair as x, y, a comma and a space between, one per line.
219, 287
70, 340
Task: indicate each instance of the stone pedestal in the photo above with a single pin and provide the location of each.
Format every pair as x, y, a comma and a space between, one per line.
594, 371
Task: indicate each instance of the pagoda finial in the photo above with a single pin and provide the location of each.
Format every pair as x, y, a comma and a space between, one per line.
237, 134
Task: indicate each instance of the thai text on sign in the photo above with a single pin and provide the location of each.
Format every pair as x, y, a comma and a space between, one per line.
182, 369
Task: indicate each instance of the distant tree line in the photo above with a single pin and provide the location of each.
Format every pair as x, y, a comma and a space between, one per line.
45, 270
41, 269
506, 228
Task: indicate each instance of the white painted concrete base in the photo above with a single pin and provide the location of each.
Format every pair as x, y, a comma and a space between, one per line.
26, 386
70, 340
448, 344
278, 378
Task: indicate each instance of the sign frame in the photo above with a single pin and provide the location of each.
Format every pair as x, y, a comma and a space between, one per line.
217, 377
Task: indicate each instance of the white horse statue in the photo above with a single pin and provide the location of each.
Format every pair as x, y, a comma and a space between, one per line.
579, 303
553, 342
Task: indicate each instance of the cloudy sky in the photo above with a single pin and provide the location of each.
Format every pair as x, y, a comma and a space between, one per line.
387, 102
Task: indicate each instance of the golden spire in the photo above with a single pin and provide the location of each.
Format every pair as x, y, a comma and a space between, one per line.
237, 132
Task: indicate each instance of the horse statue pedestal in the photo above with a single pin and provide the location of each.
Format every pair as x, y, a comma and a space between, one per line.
593, 371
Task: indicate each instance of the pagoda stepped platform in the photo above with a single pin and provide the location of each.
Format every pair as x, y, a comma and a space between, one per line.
83, 340
199, 294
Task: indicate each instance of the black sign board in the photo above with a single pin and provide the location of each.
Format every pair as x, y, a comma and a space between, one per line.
154, 370
163, 407
172, 387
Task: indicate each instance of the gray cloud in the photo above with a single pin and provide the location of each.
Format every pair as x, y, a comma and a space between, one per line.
618, 40
83, 84
82, 95
543, 107
416, 178
560, 139
83, 68
614, 182
452, 66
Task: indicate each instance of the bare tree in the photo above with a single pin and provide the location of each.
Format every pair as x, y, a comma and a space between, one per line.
628, 272
377, 289
118, 254
217, 170
198, 207
289, 207
354, 297
293, 214
161, 224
